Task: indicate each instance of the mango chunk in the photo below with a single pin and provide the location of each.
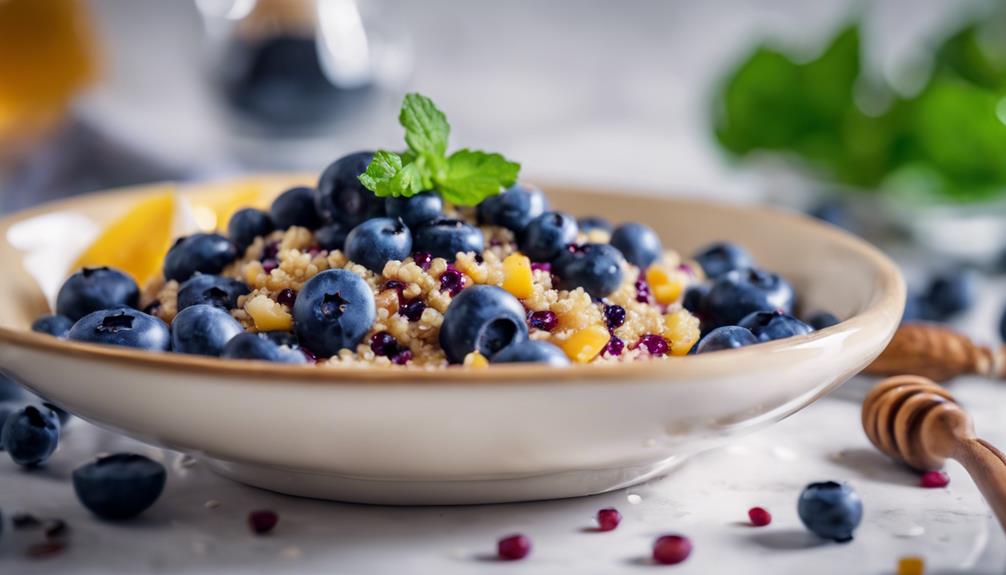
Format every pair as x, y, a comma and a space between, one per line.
681, 330
476, 360
586, 344
665, 286
268, 315
517, 276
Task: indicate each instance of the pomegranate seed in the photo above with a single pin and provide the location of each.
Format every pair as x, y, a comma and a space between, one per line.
541, 266
642, 290
653, 344
933, 479
572, 248
544, 320
423, 259
452, 281
412, 309
384, 344
614, 346
402, 357
608, 519
513, 547
396, 285
683, 267
270, 251
45, 550
262, 521
311, 357
671, 549
614, 315
313, 251
759, 516
286, 297
269, 265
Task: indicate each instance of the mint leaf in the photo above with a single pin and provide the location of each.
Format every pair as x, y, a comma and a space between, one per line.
387, 177
426, 127
472, 176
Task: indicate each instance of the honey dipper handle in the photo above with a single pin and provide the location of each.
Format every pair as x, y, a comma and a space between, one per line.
987, 467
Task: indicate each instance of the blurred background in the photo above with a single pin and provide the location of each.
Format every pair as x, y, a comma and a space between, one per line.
886, 116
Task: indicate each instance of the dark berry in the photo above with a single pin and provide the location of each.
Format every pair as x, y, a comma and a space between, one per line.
759, 516
608, 519
654, 345
30, 434
295, 207
246, 225
341, 197
531, 352
203, 253
218, 291
482, 318
726, 337
773, 325
412, 309
671, 549
119, 486
415, 210
54, 325
203, 330
543, 320
125, 327
597, 268
333, 311
513, 547
263, 521
547, 235
638, 243
95, 289
830, 510
720, 258
377, 241
614, 316
514, 208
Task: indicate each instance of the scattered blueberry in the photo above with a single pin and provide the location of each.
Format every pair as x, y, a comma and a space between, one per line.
445, 238
119, 486
415, 210
295, 207
773, 325
597, 268
218, 291
377, 241
124, 327
203, 329
638, 243
736, 294
204, 253
722, 257
63, 415
531, 352
54, 325
334, 310
331, 236
916, 308
10, 389
341, 197
694, 296
822, 319
30, 435
259, 346
514, 208
7, 408
513, 547
547, 236
951, 293
831, 510
482, 318
590, 223
726, 337
93, 289
247, 224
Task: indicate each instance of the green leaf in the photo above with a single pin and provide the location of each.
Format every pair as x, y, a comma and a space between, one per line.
426, 127
387, 177
828, 81
472, 176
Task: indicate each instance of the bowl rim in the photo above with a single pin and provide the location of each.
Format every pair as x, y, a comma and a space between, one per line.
883, 311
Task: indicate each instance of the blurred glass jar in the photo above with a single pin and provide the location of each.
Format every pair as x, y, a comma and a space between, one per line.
298, 65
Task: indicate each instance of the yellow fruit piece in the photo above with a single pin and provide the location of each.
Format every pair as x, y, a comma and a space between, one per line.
214, 207
476, 360
665, 286
585, 344
517, 277
268, 315
911, 566
681, 330
136, 242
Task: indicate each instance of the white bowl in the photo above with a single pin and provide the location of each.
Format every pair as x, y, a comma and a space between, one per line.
507, 433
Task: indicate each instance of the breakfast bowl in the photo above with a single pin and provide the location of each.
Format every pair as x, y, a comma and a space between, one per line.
509, 432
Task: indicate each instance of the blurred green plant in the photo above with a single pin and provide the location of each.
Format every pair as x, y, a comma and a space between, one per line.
947, 141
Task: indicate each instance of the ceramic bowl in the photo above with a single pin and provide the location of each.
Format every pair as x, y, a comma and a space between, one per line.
507, 433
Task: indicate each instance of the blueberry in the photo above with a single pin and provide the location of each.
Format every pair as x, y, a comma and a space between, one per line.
951, 293
341, 197
93, 289
30, 434
832, 212
203, 329
219, 291
203, 253
916, 308
331, 236
281, 338
597, 268
124, 327
1002, 326
830, 510
61, 414
259, 346
119, 486
822, 319
295, 207
773, 325
54, 325
735, 295
376, 242
514, 208
532, 352
333, 311
547, 236
482, 318
638, 243
722, 257
726, 337
7, 408
694, 296
10, 389
415, 210
247, 224
590, 223
445, 238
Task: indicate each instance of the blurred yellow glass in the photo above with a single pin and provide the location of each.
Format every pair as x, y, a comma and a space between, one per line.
46, 56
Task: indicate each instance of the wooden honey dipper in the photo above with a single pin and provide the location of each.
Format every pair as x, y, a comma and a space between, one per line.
938, 353
915, 421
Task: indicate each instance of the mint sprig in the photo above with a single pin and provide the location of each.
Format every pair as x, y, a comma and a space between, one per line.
463, 178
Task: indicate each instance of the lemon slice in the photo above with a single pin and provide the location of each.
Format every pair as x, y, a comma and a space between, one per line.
216, 203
